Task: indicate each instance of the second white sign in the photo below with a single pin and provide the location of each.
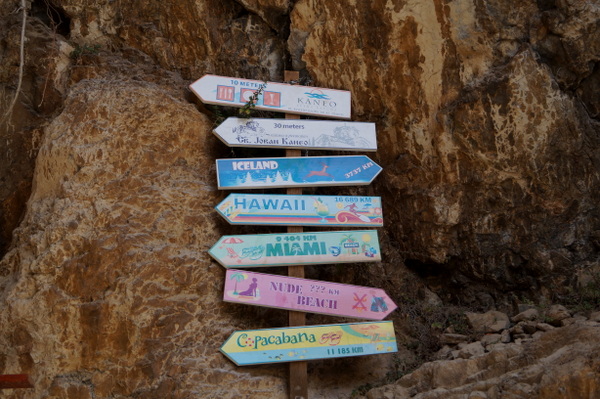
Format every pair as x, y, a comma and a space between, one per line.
298, 133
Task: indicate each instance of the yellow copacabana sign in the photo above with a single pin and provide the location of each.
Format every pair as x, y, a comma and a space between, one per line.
310, 342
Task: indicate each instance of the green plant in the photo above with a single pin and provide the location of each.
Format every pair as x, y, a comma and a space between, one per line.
246, 110
219, 116
80, 51
362, 390
582, 299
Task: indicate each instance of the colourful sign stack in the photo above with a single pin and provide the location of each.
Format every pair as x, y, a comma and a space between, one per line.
302, 343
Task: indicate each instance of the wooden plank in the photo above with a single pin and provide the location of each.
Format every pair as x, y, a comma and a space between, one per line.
276, 97
287, 249
298, 371
302, 343
301, 134
327, 171
301, 210
13, 381
304, 295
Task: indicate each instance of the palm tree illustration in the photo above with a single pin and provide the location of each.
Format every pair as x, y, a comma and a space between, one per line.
347, 238
237, 277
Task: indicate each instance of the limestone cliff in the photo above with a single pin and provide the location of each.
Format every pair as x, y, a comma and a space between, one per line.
487, 121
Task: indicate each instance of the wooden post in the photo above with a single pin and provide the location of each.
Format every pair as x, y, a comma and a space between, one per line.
12, 381
298, 370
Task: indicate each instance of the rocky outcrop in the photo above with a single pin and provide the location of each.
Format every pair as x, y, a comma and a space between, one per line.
110, 271
487, 120
536, 360
482, 141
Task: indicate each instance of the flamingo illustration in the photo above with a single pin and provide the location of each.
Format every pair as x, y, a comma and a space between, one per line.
321, 172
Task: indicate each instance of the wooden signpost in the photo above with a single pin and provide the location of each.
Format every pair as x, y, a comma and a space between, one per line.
300, 133
301, 210
294, 344
276, 97
297, 344
304, 295
308, 248
298, 371
348, 170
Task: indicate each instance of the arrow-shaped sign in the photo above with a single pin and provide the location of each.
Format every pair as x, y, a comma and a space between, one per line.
297, 248
277, 97
349, 170
301, 210
293, 344
298, 133
306, 295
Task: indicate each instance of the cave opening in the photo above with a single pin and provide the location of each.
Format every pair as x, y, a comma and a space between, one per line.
52, 15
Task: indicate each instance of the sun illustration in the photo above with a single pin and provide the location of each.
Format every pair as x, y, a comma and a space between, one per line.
366, 238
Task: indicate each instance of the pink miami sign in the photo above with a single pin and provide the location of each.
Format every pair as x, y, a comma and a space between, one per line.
304, 295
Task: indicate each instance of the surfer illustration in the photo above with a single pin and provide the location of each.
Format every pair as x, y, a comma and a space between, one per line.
352, 208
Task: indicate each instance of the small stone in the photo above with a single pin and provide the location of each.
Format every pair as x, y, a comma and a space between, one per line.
595, 316
568, 321
537, 334
529, 328
444, 353
490, 339
450, 330
529, 314
517, 329
588, 323
489, 322
471, 350
544, 327
495, 347
505, 337
579, 317
556, 313
453, 339
524, 306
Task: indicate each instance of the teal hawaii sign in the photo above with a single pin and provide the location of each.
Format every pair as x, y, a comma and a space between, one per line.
301, 210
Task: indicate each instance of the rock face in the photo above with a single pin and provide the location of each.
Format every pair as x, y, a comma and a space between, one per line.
482, 142
560, 363
487, 119
111, 272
